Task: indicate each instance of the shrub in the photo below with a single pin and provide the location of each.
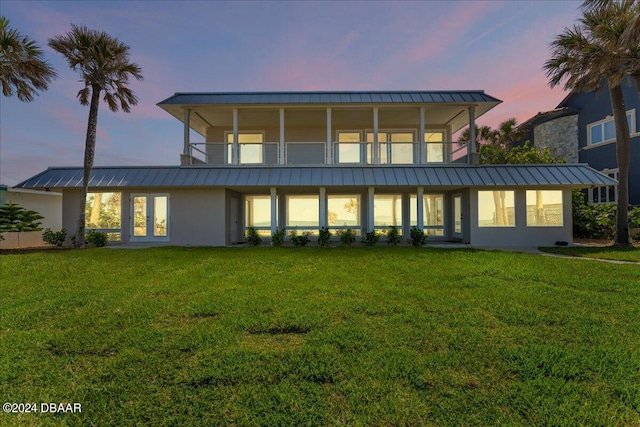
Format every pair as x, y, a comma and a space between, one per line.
593, 221
277, 238
96, 238
300, 240
393, 236
253, 238
324, 238
54, 238
417, 237
371, 238
15, 218
347, 237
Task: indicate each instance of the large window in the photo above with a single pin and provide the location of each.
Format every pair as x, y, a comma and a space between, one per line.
258, 213
496, 209
544, 208
303, 212
432, 213
605, 130
387, 210
606, 194
103, 212
343, 211
435, 146
251, 147
350, 147
396, 147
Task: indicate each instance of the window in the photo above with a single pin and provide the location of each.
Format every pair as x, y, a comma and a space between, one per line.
303, 212
544, 208
258, 213
605, 130
435, 146
606, 194
343, 211
349, 147
103, 212
432, 213
387, 210
250, 145
396, 147
496, 209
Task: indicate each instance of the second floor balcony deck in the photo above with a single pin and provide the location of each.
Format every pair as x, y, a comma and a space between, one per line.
317, 153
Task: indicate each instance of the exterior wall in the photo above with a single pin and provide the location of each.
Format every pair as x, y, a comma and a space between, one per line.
520, 235
561, 136
595, 106
48, 204
70, 208
197, 216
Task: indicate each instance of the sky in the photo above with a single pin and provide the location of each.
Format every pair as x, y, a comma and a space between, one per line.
216, 46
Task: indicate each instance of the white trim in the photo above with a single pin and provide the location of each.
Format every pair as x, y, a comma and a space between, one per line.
608, 119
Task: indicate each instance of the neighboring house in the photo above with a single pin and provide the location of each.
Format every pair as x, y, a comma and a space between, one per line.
582, 130
46, 203
342, 160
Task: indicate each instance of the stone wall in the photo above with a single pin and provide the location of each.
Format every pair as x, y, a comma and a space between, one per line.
560, 135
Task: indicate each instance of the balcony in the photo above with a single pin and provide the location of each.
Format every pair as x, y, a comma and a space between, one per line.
316, 153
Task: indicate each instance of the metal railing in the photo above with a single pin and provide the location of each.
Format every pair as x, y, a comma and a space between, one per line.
315, 153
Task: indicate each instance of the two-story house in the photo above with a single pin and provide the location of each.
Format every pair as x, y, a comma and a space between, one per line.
581, 129
343, 160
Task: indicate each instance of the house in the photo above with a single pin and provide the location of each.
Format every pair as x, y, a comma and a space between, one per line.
46, 203
582, 130
342, 160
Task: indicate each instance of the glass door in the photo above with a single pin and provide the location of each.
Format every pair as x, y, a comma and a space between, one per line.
149, 217
457, 216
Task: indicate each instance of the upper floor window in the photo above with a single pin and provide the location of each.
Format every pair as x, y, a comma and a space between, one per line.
250, 144
605, 130
606, 194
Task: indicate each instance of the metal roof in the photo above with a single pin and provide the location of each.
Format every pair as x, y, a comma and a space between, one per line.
375, 97
565, 175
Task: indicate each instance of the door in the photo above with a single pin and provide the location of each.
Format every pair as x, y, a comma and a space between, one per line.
233, 220
149, 217
457, 216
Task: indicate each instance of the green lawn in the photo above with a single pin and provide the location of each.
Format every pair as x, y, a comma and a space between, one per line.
617, 253
314, 336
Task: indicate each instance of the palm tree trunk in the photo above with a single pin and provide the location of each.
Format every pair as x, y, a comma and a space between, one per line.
623, 151
89, 151
637, 80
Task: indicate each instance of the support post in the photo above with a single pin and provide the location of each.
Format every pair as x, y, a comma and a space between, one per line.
234, 149
274, 210
329, 155
323, 207
370, 223
376, 147
187, 141
422, 148
281, 159
473, 151
420, 208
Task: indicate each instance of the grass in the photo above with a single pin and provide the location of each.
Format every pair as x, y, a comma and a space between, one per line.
315, 336
617, 253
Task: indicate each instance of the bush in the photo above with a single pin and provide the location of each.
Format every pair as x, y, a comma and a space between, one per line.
277, 238
300, 240
324, 238
592, 221
96, 238
253, 238
54, 238
417, 237
393, 236
371, 238
347, 237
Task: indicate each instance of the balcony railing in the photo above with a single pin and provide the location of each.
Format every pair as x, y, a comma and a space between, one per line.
315, 153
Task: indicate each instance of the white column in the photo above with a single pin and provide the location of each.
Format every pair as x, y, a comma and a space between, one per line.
422, 150
376, 149
370, 210
420, 207
281, 159
234, 149
274, 211
472, 134
323, 207
329, 158
187, 127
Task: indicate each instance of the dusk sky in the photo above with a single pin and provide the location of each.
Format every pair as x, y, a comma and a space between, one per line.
208, 46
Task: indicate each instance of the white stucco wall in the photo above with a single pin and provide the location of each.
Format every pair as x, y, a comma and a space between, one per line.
46, 203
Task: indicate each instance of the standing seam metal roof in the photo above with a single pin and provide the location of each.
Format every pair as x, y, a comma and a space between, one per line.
574, 175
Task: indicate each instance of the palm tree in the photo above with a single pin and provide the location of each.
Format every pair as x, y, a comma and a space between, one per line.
104, 64
589, 54
22, 68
